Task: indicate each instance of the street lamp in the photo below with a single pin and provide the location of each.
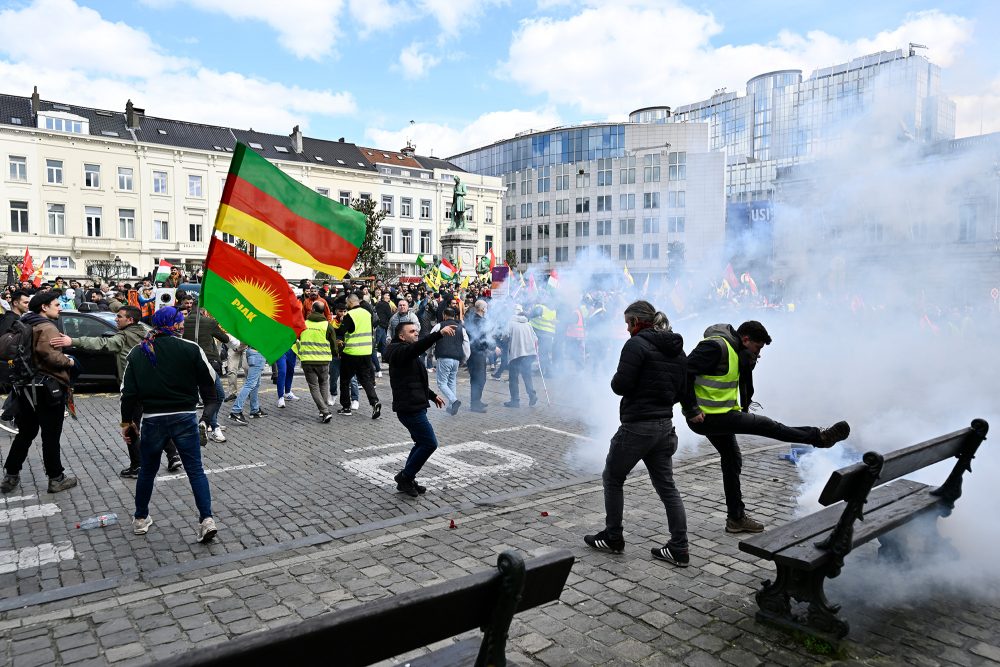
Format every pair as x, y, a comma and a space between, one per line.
277, 265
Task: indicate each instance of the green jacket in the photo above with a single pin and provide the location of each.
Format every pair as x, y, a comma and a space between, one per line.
120, 344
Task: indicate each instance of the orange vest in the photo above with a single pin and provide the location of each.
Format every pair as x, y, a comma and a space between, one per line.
576, 330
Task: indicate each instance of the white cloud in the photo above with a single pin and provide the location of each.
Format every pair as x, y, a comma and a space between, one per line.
375, 15
611, 58
978, 112
306, 28
415, 63
454, 15
445, 140
92, 71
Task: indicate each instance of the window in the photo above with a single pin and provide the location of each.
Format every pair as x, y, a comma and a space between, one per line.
650, 225
364, 195
160, 182
543, 254
425, 242
678, 166
626, 226
125, 179
63, 125
543, 208
543, 231
675, 224
604, 250
470, 212
387, 237
604, 172
126, 223
345, 197
387, 204
562, 182
604, 228
626, 202
228, 238
509, 211
59, 263
425, 209
626, 251
92, 220
510, 234
488, 216
525, 232
525, 255
57, 219
562, 207
651, 168
194, 186
562, 230
195, 228
583, 204
17, 168
650, 250
323, 191
526, 182
651, 200
161, 229
562, 253
406, 241
544, 179
626, 174
19, 217
91, 175
53, 172
526, 210
966, 223
603, 203
583, 179
583, 228
406, 208
488, 244
676, 199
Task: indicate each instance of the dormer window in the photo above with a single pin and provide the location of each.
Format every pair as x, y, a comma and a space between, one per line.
59, 121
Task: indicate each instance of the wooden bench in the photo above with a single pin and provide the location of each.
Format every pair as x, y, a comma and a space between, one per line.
388, 627
810, 549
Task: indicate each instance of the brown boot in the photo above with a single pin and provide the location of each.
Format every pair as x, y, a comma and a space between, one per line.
828, 437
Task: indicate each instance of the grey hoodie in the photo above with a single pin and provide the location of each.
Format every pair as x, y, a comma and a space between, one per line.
522, 338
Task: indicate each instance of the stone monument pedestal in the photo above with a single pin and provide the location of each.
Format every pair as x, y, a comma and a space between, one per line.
460, 246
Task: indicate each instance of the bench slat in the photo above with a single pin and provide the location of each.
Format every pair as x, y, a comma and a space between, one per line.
813, 527
807, 556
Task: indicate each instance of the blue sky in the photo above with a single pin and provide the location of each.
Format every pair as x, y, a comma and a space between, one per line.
467, 72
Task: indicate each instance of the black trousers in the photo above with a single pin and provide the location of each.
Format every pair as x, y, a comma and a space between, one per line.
721, 430
361, 366
47, 416
477, 377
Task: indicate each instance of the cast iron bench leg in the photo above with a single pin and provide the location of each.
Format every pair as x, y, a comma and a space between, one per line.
774, 603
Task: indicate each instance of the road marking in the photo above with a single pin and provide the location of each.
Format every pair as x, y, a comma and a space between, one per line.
42, 554
15, 499
25, 513
544, 428
455, 472
213, 471
389, 445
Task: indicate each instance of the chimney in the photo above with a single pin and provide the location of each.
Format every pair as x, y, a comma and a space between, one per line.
133, 114
296, 137
409, 149
36, 101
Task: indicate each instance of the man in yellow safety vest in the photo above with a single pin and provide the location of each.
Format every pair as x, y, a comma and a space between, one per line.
315, 351
356, 357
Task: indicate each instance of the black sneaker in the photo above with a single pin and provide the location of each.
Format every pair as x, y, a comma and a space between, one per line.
533, 400
478, 408
454, 407
421, 489
512, 404
129, 473
345, 412
9, 483
828, 437
377, 410
602, 542
258, 414
173, 465
230, 398
671, 555
407, 486
326, 417
238, 418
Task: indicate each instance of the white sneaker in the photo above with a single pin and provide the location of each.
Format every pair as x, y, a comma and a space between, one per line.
141, 526
281, 402
355, 405
379, 374
207, 530
331, 401
217, 435
292, 397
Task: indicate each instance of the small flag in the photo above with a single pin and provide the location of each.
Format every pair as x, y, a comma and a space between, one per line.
628, 276
493, 258
162, 271
554, 280
730, 277
749, 282
421, 262
27, 267
465, 283
645, 285
447, 269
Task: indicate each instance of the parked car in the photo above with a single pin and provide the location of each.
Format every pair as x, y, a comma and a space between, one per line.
96, 368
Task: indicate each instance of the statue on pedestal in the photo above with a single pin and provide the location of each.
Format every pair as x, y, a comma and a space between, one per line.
458, 206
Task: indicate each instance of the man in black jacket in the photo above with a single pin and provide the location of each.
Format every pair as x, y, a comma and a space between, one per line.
720, 381
650, 378
410, 394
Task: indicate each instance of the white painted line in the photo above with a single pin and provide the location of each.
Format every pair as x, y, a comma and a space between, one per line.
14, 499
25, 513
389, 445
455, 472
544, 428
21, 559
213, 471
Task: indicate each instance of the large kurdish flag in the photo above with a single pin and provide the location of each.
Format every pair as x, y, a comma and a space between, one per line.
251, 301
268, 208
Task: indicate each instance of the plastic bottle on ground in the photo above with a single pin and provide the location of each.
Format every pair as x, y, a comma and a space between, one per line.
99, 521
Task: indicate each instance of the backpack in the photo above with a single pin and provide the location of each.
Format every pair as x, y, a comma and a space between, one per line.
16, 358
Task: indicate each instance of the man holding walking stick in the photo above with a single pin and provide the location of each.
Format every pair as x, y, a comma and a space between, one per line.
523, 349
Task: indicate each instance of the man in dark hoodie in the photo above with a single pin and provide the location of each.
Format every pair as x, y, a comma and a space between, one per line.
717, 404
411, 393
650, 378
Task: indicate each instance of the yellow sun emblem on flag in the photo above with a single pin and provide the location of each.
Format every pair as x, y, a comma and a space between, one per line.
262, 296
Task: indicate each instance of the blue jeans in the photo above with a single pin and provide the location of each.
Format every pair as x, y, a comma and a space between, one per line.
255, 367
424, 441
286, 370
154, 434
335, 380
447, 378
379, 344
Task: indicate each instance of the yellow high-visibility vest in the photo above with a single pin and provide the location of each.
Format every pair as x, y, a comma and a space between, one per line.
312, 345
718, 394
545, 322
358, 343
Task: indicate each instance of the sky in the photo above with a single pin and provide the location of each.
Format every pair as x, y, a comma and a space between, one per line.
452, 75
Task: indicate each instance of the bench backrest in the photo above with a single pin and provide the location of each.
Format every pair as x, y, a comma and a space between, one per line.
901, 462
385, 628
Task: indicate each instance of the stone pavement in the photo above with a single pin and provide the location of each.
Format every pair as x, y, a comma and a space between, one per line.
309, 522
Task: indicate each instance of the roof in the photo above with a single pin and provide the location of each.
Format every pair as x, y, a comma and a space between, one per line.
335, 153
167, 132
436, 163
12, 107
382, 156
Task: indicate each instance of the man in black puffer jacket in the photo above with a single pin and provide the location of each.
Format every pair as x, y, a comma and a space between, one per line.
410, 394
651, 377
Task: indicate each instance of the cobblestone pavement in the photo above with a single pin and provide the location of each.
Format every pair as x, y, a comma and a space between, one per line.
309, 522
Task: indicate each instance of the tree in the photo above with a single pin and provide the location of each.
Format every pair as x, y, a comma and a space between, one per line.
108, 270
511, 258
371, 256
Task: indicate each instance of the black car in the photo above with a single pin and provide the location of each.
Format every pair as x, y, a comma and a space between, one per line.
96, 368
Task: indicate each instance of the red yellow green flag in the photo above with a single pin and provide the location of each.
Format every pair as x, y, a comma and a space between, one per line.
269, 209
251, 301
